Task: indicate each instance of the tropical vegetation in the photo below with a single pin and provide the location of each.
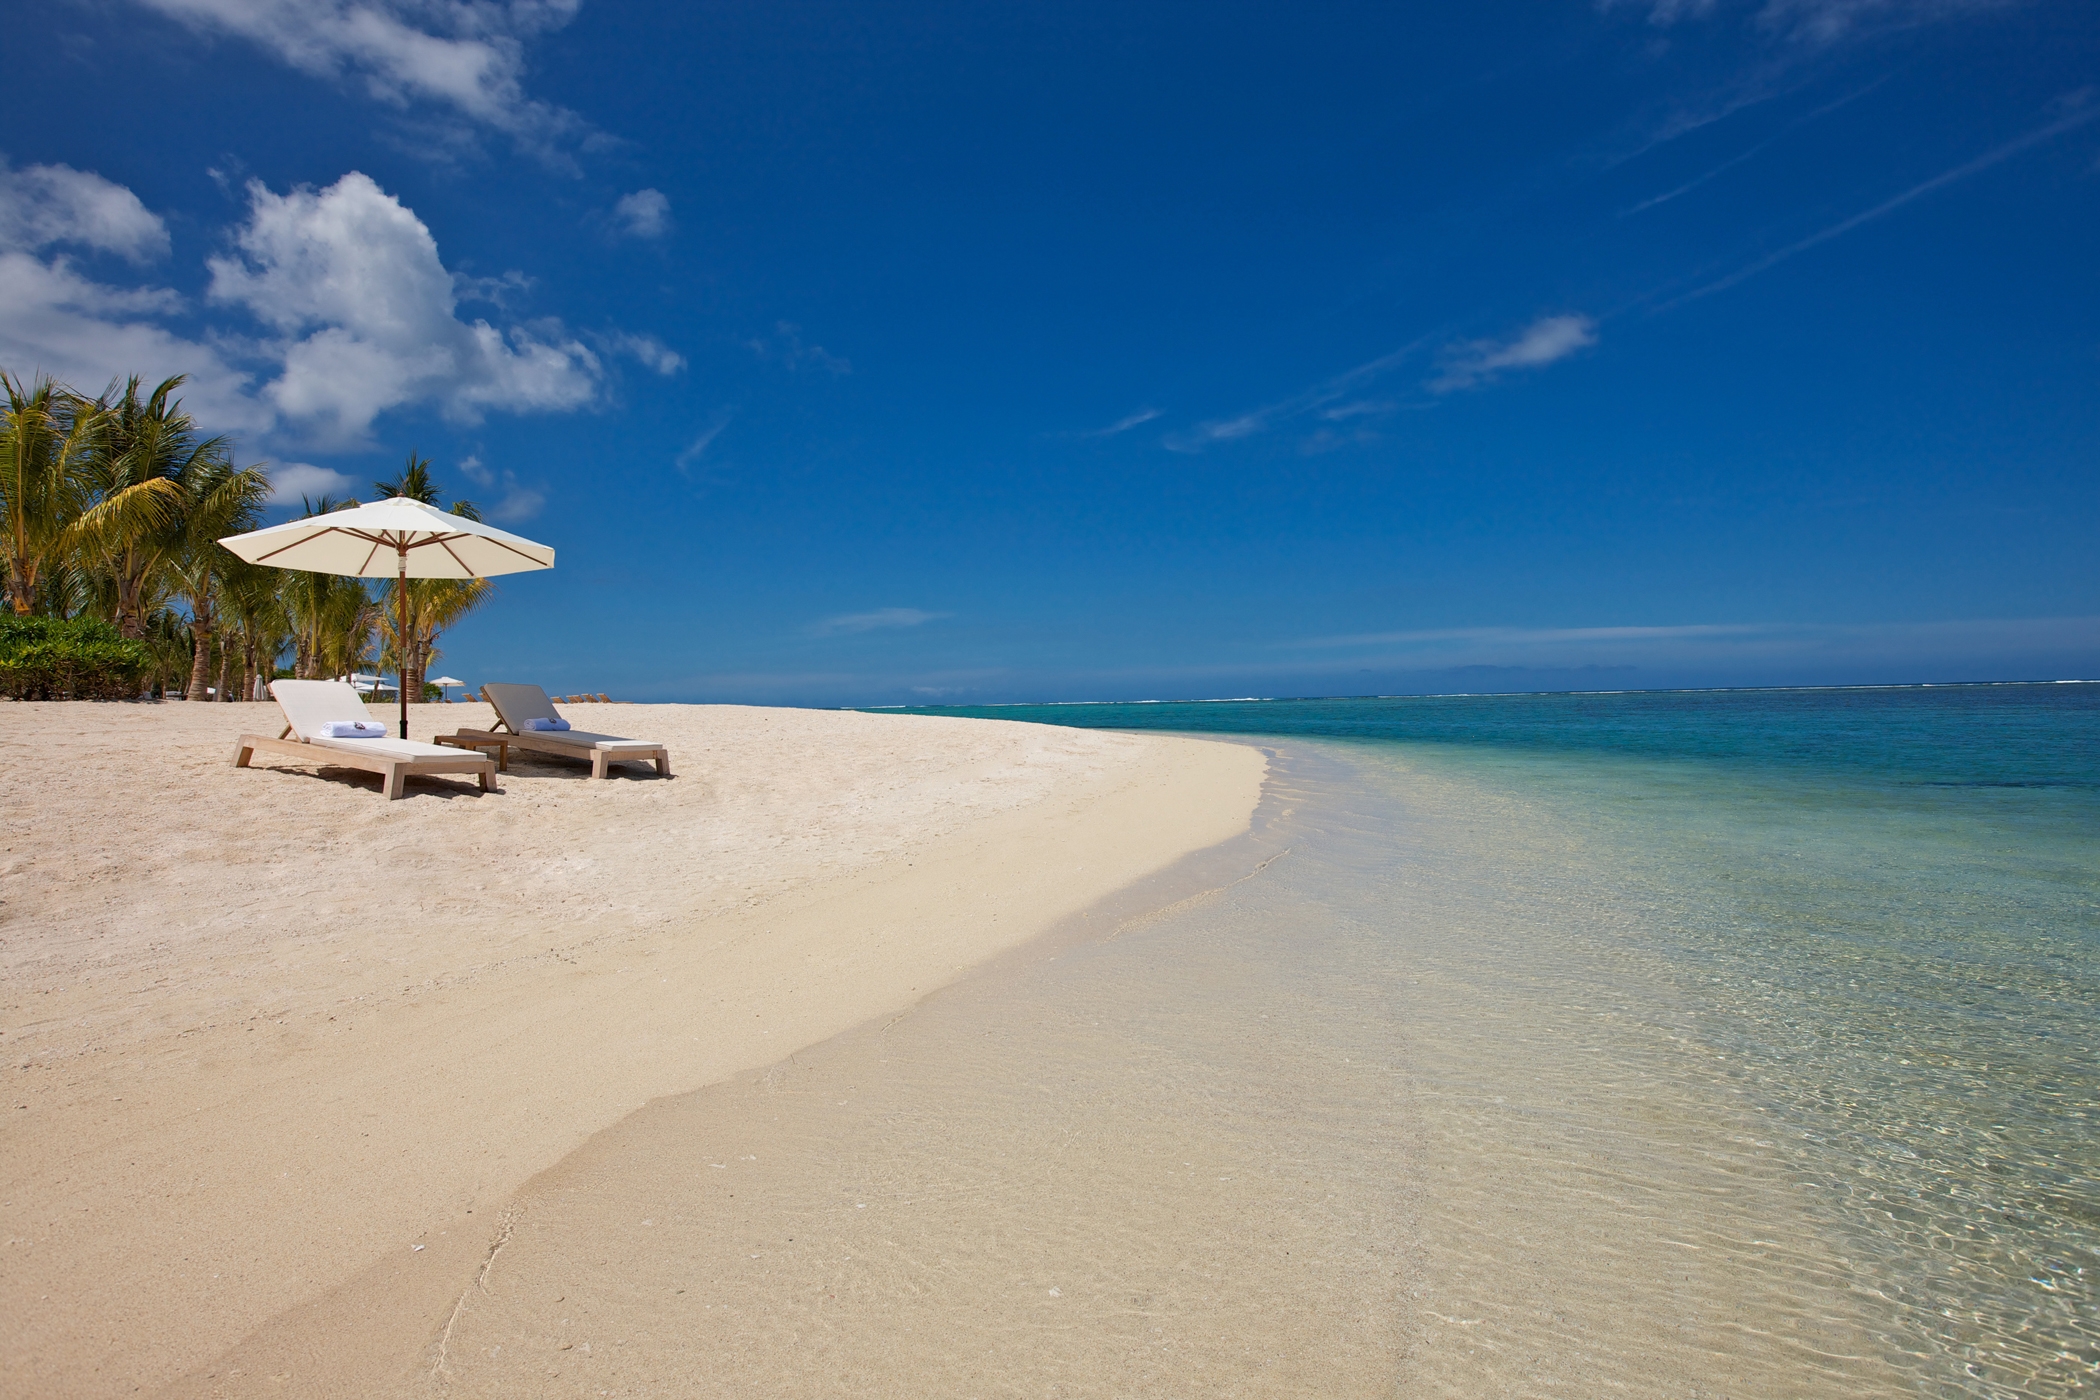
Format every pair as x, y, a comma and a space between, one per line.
113, 584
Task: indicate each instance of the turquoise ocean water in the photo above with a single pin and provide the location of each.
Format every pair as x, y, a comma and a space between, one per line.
1879, 909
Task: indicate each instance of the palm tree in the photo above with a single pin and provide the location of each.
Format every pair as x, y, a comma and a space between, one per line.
252, 602
415, 483
330, 616
433, 603
136, 459
218, 499
43, 431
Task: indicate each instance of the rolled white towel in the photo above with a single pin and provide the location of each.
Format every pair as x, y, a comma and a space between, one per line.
352, 729
544, 724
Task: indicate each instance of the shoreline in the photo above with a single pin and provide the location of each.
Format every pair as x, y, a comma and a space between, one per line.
183, 1171
1300, 1114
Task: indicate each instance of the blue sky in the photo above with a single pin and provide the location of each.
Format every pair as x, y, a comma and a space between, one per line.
916, 353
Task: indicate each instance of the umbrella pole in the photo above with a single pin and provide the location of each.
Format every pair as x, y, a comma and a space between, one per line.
401, 637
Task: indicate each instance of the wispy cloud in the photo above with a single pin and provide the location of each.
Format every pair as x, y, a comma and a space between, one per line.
699, 445
1759, 149
515, 500
784, 346
1321, 399
646, 348
878, 620
1776, 650
466, 57
1547, 339
1822, 22
1527, 636
1488, 660
1125, 424
1815, 22
2083, 111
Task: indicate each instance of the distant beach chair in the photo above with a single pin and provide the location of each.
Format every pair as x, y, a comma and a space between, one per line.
517, 706
311, 706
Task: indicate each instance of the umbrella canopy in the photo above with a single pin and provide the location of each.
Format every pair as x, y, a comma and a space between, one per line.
376, 540
398, 537
444, 681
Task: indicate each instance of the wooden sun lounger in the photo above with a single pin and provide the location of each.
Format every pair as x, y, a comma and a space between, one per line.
307, 705
517, 704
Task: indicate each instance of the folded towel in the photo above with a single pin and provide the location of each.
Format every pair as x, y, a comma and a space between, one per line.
546, 724
352, 729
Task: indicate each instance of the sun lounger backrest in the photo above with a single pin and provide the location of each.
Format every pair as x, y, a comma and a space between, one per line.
516, 704
308, 705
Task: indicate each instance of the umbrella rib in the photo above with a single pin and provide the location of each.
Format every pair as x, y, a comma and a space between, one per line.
514, 550
455, 556
402, 542
303, 539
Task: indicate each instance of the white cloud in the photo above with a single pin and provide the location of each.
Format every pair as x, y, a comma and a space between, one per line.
785, 345
351, 280
45, 204
1124, 424
84, 333
1828, 21
646, 348
2079, 114
1321, 398
1817, 21
289, 479
874, 621
516, 501
699, 445
466, 55
1544, 341
645, 213
1773, 650
360, 315
1663, 13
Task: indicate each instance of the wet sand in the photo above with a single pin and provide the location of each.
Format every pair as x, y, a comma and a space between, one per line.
279, 1054
1381, 1098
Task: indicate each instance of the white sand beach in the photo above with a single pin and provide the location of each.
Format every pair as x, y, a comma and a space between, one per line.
270, 1040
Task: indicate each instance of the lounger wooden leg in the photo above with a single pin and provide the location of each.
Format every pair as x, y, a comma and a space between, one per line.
598, 763
396, 782
488, 779
663, 765
242, 752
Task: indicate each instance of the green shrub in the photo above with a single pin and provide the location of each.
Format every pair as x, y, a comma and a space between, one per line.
45, 658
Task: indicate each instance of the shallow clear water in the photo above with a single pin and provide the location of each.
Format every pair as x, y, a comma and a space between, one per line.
1867, 918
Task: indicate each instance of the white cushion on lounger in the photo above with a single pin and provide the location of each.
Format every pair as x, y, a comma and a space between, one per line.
519, 705
308, 705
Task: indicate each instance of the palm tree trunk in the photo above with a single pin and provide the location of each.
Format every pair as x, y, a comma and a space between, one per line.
248, 663
129, 622
416, 663
200, 655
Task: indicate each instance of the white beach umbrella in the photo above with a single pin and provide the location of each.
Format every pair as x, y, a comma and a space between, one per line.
445, 683
397, 537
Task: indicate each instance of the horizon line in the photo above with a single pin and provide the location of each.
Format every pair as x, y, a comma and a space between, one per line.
1461, 695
